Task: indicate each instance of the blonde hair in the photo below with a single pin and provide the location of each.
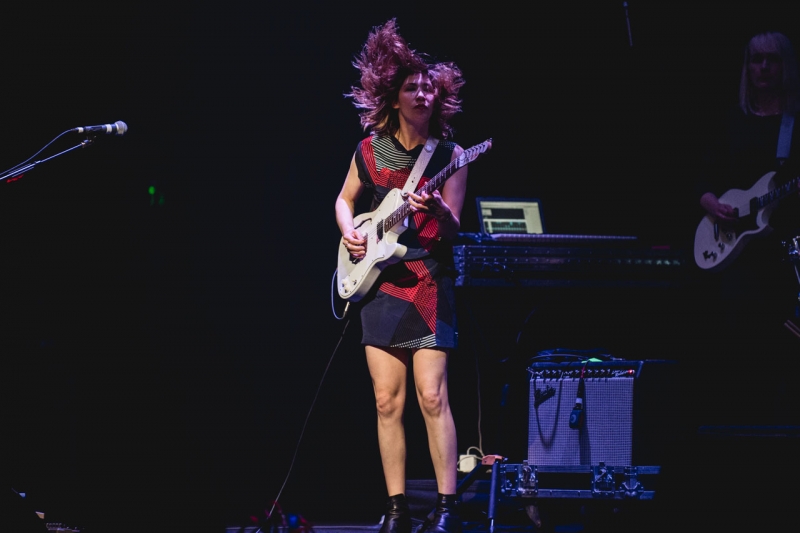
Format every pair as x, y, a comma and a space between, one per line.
790, 85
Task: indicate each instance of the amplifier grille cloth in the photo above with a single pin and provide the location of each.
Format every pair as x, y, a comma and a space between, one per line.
607, 432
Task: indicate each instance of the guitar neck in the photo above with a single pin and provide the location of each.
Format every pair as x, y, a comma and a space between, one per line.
433, 184
469, 155
778, 192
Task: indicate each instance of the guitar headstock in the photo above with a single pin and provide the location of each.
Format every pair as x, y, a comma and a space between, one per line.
471, 154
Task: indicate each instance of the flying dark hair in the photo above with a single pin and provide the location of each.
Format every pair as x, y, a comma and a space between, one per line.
385, 61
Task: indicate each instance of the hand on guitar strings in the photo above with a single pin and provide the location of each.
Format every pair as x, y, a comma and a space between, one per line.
353, 241
433, 204
720, 211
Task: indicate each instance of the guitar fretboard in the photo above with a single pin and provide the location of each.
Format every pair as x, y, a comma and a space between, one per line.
403, 211
435, 182
778, 192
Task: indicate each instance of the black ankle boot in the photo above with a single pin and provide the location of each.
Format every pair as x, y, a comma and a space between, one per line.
445, 517
398, 517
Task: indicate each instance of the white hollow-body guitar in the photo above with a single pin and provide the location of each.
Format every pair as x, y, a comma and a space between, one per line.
716, 245
381, 229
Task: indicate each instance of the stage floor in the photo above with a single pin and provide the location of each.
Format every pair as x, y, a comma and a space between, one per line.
734, 520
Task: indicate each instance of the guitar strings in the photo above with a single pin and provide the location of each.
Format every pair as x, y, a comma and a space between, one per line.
467, 156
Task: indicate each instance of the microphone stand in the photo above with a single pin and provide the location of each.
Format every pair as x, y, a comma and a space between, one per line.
16, 173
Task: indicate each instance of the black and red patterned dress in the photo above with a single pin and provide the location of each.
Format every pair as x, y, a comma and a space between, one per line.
412, 304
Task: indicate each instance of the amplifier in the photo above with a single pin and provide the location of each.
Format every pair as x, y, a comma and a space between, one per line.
624, 423
497, 266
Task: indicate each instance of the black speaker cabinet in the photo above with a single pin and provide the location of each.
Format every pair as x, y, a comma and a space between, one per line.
627, 417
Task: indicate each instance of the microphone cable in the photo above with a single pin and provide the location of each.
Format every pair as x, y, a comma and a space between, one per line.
42, 149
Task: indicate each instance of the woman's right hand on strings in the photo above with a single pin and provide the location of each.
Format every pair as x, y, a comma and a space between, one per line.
354, 243
720, 211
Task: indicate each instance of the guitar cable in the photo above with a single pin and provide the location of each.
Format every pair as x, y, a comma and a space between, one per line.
308, 415
333, 293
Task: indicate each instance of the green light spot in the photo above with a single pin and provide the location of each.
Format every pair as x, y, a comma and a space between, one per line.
151, 190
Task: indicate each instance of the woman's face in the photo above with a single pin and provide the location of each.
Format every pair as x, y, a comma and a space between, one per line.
765, 67
416, 98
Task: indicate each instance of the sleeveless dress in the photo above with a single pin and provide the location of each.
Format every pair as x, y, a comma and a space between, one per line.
412, 304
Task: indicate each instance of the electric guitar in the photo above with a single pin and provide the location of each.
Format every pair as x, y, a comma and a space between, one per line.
382, 227
716, 245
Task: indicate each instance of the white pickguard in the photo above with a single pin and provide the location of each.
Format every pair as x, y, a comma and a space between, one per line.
356, 277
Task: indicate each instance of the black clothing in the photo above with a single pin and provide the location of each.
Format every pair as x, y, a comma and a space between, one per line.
413, 302
747, 302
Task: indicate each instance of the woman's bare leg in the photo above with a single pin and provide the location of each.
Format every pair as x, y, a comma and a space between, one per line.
388, 368
430, 378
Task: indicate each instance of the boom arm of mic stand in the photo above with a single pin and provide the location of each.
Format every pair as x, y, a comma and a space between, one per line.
17, 172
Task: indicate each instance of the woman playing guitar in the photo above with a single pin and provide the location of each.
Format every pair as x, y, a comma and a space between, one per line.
405, 103
756, 291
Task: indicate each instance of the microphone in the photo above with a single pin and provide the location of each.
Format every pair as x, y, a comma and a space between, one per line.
117, 128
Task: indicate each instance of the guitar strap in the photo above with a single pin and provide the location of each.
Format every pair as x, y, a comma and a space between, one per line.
785, 137
419, 166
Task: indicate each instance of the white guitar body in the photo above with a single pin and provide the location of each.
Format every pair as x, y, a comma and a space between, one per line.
356, 276
716, 246
381, 229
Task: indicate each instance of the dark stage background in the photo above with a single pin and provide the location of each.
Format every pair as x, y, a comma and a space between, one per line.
162, 351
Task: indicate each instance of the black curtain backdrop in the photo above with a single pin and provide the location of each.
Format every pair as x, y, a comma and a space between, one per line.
162, 349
